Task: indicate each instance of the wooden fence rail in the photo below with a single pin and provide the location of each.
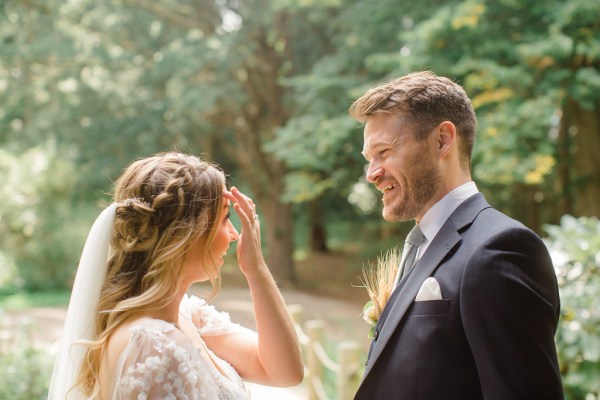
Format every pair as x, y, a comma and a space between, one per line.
347, 368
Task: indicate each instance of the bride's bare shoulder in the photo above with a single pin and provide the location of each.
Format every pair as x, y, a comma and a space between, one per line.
121, 337
119, 340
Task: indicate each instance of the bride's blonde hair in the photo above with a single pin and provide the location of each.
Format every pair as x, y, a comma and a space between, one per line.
166, 203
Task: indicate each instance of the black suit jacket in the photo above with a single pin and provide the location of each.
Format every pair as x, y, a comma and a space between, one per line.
492, 334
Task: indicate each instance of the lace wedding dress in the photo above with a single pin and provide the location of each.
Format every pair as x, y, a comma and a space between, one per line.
161, 362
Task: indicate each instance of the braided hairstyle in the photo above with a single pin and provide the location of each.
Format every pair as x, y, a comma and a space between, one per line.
166, 203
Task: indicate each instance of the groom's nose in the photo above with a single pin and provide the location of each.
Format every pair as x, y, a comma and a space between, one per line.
374, 172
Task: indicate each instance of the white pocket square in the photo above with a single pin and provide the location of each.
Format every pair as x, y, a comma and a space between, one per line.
430, 290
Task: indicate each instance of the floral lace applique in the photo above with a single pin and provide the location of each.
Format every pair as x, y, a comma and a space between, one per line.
206, 318
161, 362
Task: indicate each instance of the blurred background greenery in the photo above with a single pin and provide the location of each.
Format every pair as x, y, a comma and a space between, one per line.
262, 87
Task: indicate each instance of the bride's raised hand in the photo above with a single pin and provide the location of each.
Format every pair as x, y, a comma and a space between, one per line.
249, 252
273, 357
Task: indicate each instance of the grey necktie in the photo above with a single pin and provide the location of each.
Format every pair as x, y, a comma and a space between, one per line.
413, 240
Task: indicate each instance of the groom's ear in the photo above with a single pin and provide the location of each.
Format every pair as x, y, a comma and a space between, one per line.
445, 139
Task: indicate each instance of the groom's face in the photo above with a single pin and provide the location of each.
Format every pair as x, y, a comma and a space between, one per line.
403, 169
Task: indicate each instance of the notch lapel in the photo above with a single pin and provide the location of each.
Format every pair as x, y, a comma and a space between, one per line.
447, 238
406, 292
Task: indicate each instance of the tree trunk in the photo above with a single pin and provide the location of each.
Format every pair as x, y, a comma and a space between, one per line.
563, 158
316, 228
586, 161
253, 118
278, 228
579, 160
265, 176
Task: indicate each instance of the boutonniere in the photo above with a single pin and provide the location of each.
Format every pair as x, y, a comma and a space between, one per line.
379, 279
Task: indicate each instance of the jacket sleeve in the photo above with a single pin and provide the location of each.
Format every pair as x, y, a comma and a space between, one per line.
510, 309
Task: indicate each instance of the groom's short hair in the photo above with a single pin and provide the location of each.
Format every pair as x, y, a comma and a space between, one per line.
427, 100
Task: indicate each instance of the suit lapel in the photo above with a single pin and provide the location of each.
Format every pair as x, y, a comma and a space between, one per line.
446, 239
407, 292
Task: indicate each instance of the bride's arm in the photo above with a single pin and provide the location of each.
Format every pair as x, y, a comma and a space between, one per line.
273, 356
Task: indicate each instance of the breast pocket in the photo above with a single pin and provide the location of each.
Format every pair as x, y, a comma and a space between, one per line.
430, 307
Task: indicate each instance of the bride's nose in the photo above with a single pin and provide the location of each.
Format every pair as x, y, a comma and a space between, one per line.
233, 233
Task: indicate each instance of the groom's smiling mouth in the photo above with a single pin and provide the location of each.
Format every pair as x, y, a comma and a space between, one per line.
387, 187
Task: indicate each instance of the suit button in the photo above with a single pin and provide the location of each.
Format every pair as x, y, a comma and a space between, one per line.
375, 334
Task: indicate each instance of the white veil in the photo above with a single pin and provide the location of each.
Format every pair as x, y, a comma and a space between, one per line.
80, 321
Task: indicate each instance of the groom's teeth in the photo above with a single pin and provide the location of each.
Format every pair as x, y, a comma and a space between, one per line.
388, 188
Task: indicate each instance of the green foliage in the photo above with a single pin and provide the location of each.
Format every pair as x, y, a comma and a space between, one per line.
9, 274
26, 370
575, 250
86, 88
41, 233
586, 86
263, 88
507, 159
25, 374
24, 300
520, 62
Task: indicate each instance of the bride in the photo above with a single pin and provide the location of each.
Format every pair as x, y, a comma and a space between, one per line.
132, 332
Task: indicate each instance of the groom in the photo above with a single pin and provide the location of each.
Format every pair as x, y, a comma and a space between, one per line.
486, 331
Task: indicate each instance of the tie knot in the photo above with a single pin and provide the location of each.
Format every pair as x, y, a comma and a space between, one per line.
415, 236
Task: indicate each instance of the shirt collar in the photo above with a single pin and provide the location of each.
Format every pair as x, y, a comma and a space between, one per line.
436, 216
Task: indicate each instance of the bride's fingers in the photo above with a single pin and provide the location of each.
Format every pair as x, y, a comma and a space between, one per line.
227, 194
245, 202
243, 216
243, 199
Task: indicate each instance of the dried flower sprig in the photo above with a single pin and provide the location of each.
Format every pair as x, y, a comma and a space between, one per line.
379, 281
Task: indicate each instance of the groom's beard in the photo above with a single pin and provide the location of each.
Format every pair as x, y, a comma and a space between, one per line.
421, 183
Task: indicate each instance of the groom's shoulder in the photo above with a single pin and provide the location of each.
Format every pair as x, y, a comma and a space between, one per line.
492, 214
485, 213
490, 221
477, 219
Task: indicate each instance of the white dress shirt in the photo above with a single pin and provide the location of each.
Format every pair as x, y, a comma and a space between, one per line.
438, 214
